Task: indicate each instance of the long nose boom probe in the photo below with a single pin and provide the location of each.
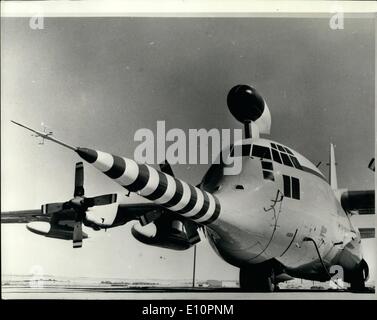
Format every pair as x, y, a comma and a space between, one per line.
46, 135
165, 190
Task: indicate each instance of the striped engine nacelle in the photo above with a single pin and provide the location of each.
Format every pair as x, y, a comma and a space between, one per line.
163, 189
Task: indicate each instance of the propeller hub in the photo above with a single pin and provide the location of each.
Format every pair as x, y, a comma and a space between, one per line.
77, 203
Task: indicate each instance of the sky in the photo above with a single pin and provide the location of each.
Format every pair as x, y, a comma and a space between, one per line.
96, 81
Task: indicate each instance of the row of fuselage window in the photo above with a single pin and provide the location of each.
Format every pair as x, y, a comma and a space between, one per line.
291, 184
280, 154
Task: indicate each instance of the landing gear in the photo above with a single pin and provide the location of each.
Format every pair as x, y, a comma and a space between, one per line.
359, 277
257, 279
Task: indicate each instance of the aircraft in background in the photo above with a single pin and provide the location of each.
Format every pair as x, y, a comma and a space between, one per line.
278, 218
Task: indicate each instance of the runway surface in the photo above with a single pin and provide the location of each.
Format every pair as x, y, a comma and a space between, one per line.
90, 292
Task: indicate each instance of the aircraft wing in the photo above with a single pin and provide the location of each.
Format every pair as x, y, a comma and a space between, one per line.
24, 216
125, 213
61, 224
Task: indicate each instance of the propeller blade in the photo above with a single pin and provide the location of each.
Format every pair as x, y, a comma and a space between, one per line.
77, 234
101, 200
371, 165
52, 207
79, 180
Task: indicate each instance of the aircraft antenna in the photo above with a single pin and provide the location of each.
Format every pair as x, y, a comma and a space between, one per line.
332, 171
251, 129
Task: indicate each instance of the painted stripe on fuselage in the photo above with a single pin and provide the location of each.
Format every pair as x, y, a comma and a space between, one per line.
177, 195
198, 205
216, 214
185, 198
203, 210
141, 180
152, 184
104, 161
211, 209
116, 170
170, 190
130, 173
191, 203
161, 189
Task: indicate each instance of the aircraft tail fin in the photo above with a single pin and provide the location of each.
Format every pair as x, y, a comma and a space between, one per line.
332, 170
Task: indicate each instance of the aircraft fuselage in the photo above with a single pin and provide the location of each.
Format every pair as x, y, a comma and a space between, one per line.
269, 210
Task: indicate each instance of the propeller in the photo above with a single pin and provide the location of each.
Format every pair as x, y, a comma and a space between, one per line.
371, 165
80, 204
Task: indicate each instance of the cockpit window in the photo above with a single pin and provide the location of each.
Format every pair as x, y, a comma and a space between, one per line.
285, 156
296, 163
289, 151
275, 155
281, 148
241, 150
286, 159
246, 149
261, 152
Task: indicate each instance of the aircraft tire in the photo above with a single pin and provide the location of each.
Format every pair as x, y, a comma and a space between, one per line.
255, 280
359, 277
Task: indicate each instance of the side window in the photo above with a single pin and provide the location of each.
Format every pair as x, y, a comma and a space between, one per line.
291, 187
287, 186
295, 188
261, 152
246, 150
268, 168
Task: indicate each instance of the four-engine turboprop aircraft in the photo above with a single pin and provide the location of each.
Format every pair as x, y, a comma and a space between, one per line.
278, 217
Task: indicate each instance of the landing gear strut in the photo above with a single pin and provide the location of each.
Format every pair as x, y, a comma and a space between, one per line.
257, 279
359, 277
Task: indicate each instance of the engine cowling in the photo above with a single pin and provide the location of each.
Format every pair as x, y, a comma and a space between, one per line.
362, 201
175, 237
247, 105
63, 232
